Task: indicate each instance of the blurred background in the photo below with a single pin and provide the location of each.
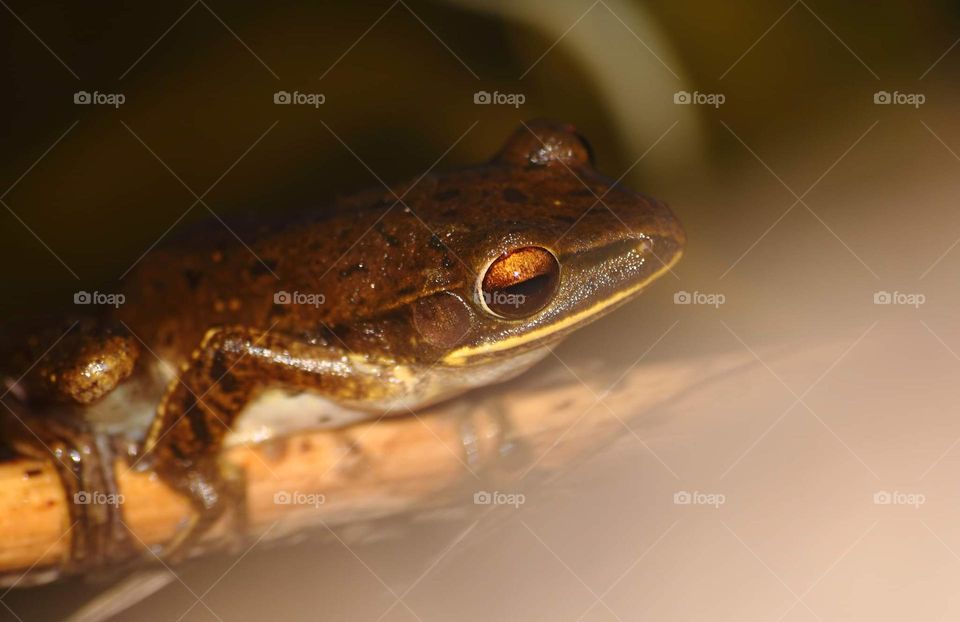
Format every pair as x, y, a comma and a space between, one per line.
779, 430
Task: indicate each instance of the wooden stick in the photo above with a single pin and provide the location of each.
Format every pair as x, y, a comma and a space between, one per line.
335, 476
367, 468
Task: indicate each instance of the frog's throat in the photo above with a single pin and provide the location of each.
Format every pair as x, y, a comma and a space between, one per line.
461, 356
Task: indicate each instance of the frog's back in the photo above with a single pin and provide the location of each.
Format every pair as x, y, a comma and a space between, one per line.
362, 257
370, 254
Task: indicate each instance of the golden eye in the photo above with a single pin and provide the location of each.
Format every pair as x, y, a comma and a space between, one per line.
521, 282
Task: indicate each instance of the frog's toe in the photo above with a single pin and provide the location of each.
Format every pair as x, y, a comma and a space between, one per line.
216, 492
84, 463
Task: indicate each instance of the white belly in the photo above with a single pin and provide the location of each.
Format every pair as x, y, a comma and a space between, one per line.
278, 412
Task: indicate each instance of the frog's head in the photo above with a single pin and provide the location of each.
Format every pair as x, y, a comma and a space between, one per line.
545, 243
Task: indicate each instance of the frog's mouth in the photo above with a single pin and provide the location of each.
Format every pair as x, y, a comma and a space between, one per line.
592, 285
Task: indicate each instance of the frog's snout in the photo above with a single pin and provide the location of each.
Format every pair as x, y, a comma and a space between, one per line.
607, 276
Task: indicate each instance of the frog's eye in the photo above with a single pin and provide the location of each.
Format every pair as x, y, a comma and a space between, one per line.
520, 283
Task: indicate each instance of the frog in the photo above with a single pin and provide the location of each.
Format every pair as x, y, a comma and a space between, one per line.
381, 304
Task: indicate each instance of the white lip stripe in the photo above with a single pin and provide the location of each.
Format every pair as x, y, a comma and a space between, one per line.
460, 355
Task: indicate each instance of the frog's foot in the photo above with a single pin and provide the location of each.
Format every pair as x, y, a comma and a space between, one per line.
215, 492
84, 461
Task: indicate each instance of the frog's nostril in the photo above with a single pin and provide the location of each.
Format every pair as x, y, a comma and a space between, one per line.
644, 245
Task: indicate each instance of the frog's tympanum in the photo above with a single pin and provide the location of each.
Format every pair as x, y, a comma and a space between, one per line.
383, 303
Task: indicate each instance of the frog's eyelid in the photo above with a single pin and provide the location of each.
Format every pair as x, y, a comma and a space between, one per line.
544, 143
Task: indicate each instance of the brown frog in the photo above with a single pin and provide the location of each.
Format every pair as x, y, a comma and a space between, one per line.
383, 304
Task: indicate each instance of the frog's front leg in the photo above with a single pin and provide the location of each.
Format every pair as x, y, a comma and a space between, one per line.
185, 440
